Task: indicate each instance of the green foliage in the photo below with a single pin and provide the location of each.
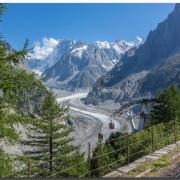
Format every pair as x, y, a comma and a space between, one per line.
12, 57
139, 144
160, 164
12, 82
20, 101
9, 116
25, 100
98, 161
6, 168
7, 121
108, 156
55, 151
168, 106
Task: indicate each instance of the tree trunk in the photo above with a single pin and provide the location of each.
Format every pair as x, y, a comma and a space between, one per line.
50, 149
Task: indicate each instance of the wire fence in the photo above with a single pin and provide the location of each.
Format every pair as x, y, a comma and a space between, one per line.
126, 149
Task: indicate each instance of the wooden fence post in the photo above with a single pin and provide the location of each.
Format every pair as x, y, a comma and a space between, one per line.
127, 147
152, 138
89, 158
29, 168
175, 130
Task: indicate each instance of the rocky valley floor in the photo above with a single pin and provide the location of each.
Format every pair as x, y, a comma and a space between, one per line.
88, 120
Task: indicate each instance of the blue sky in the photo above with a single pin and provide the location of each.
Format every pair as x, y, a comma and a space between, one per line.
86, 22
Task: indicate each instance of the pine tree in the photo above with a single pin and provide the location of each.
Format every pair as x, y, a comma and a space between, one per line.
99, 163
54, 150
6, 167
168, 106
8, 113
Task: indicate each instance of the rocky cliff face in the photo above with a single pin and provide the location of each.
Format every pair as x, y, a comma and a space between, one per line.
136, 74
165, 74
76, 64
83, 65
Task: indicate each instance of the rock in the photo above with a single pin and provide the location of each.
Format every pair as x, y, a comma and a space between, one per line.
153, 67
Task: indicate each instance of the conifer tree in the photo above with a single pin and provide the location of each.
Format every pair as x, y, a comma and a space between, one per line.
168, 106
6, 168
8, 114
54, 151
7, 61
99, 163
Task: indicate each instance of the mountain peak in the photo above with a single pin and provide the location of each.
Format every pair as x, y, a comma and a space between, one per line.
129, 74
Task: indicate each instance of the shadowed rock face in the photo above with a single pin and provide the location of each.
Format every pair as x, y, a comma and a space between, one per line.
83, 65
162, 76
160, 46
76, 64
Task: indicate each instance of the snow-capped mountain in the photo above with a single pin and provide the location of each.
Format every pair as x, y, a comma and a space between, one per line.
152, 67
39, 61
76, 64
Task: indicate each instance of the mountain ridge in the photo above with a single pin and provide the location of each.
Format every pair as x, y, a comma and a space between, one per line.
161, 43
76, 64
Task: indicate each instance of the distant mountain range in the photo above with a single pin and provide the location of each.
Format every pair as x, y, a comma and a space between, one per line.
117, 70
76, 64
153, 67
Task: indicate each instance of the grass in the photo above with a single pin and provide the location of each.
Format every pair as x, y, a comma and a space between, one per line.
155, 167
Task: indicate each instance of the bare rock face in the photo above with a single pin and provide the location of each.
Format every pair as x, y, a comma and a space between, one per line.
167, 73
76, 64
156, 55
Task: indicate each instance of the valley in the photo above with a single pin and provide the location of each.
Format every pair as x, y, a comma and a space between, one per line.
87, 107
89, 120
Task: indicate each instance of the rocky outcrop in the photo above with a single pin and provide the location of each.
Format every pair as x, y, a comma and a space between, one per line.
76, 64
161, 45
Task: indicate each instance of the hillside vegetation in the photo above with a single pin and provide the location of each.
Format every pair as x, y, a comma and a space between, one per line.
25, 102
163, 129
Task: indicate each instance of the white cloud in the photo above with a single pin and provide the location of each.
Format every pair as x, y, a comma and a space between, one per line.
42, 52
140, 40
